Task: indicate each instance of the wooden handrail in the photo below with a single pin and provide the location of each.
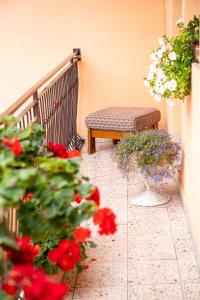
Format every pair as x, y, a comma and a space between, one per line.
34, 88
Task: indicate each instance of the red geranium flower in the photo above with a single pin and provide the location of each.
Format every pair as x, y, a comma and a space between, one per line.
27, 197
95, 196
10, 289
66, 255
77, 198
85, 266
14, 145
26, 252
74, 153
34, 284
81, 234
105, 218
59, 150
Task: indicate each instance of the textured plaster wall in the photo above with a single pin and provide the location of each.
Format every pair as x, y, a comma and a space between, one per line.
115, 38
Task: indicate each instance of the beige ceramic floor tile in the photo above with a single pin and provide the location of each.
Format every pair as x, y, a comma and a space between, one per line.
101, 293
150, 214
101, 274
155, 292
158, 248
153, 272
191, 291
143, 230
156, 235
189, 269
184, 246
110, 248
180, 229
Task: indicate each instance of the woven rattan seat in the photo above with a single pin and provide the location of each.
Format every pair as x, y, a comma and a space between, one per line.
114, 122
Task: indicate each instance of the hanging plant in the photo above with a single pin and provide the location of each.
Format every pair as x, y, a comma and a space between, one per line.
169, 76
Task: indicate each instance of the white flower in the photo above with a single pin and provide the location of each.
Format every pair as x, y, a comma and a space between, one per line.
170, 102
179, 21
163, 48
172, 55
159, 53
146, 83
153, 56
151, 92
160, 74
150, 76
171, 85
161, 41
157, 98
152, 68
159, 89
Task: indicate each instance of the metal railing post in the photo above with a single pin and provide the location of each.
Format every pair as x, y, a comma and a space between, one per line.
36, 107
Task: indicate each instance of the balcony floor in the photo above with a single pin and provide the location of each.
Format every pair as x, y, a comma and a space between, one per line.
151, 256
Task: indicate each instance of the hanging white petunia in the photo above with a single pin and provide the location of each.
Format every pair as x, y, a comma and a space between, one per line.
153, 56
146, 83
152, 68
157, 98
161, 41
172, 55
159, 53
150, 76
179, 21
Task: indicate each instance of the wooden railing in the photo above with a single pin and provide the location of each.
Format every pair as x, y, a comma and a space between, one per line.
52, 102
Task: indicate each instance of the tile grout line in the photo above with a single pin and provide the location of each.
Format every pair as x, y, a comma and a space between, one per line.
127, 240
175, 253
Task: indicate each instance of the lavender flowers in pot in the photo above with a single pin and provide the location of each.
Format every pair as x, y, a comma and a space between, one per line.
156, 157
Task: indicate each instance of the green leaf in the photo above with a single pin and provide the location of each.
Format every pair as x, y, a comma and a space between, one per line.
92, 244
24, 134
6, 241
4, 296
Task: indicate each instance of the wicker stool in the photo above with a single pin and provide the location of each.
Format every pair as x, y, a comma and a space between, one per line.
114, 122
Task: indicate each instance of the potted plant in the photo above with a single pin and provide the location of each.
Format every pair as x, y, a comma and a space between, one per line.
52, 199
156, 157
169, 75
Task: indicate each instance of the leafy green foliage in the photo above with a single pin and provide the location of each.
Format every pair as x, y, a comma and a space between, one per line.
50, 214
170, 72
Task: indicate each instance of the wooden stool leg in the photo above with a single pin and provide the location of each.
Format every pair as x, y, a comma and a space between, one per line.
91, 142
155, 126
115, 141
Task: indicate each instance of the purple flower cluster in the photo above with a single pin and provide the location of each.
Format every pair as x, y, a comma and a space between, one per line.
153, 152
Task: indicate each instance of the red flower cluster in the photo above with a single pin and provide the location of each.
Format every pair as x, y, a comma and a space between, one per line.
26, 252
27, 197
81, 234
14, 145
74, 153
59, 150
66, 255
105, 218
34, 284
77, 198
94, 196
